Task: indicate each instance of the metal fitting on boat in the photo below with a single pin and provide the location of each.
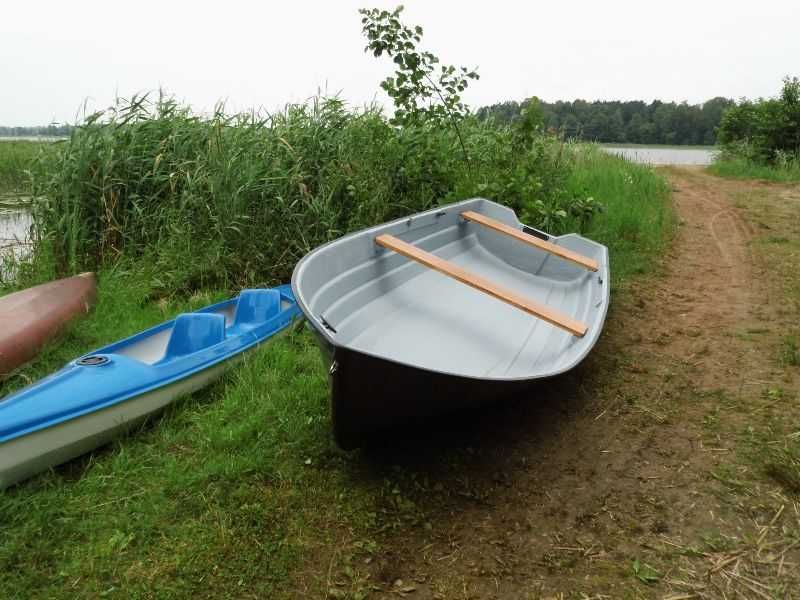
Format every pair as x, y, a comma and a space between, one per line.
95, 360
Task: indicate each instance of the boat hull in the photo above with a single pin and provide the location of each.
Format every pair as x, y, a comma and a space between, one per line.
372, 397
445, 310
30, 317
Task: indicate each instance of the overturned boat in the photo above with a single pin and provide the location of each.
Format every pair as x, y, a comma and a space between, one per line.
445, 309
31, 317
104, 393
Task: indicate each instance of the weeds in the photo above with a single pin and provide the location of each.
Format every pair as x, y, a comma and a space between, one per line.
776, 453
782, 464
645, 573
789, 354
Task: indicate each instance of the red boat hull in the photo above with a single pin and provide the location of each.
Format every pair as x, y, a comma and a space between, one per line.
30, 317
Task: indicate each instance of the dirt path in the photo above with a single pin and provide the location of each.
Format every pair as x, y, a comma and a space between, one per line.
624, 479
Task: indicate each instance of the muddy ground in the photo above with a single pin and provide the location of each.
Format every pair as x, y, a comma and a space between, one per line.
655, 470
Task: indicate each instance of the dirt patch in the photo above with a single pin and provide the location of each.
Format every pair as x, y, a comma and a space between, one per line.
619, 480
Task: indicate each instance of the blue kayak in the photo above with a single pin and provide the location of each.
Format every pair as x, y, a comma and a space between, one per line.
100, 395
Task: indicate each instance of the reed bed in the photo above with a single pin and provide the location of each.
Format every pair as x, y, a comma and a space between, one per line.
231, 200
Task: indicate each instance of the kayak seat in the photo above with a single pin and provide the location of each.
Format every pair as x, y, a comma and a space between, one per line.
193, 332
257, 306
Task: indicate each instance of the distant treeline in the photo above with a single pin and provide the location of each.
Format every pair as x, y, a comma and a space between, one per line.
622, 122
37, 131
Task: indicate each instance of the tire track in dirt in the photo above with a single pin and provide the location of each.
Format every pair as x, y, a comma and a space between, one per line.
708, 288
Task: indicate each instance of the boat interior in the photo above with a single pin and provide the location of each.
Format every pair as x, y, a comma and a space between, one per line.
470, 298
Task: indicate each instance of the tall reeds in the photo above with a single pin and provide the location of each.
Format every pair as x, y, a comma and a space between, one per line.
238, 199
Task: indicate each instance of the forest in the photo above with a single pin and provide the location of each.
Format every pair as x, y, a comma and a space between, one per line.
36, 131
761, 138
614, 121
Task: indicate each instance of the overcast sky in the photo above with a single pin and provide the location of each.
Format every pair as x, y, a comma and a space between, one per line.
56, 55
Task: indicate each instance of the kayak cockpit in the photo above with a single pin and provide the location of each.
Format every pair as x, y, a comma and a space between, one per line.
189, 333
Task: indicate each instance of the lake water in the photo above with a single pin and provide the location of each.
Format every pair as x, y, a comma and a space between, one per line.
15, 224
664, 155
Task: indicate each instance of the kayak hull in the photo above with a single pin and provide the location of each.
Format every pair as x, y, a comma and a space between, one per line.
28, 455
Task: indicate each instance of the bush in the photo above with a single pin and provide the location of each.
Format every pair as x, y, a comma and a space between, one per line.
766, 130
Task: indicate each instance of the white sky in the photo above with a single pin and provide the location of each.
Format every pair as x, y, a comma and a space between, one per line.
56, 55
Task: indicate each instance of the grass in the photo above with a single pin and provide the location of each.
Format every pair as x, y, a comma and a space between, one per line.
636, 221
790, 352
233, 492
742, 168
16, 157
782, 464
774, 448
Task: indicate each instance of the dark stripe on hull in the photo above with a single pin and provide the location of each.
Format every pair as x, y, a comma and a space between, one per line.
372, 396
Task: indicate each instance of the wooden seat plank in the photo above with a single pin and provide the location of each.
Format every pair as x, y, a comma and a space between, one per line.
531, 240
445, 267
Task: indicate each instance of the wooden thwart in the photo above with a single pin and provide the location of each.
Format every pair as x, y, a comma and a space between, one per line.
531, 240
540, 311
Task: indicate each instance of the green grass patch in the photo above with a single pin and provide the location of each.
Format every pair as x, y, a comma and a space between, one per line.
774, 450
789, 354
16, 159
636, 221
782, 465
742, 168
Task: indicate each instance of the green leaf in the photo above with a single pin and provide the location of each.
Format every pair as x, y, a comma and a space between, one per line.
645, 573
